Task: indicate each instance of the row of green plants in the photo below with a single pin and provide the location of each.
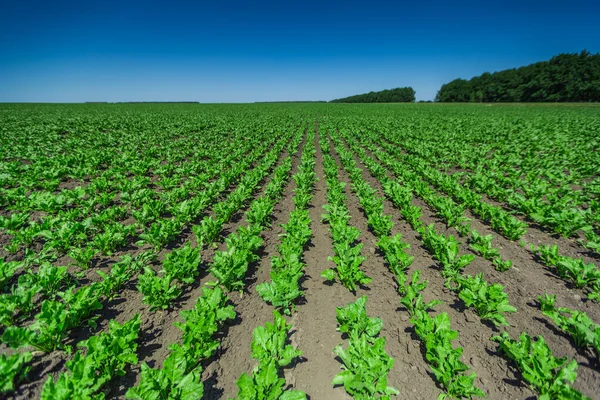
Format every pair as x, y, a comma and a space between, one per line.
288, 268
84, 233
271, 350
548, 376
56, 319
581, 328
180, 377
347, 251
574, 270
500, 220
437, 336
570, 269
365, 364
181, 374
181, 266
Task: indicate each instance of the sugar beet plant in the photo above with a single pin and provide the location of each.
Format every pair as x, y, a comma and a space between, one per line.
229, 266
584, 332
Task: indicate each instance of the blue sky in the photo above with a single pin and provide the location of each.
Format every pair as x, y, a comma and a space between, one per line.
234, 51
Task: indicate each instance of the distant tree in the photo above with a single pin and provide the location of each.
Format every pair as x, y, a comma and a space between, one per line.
565, 77
397, 95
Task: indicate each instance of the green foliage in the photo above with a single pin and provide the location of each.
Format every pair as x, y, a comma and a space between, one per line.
412, 298
353, 319
13, 369
581, 328
394, 252
502, 265
55, 319
208, 231
158, 291
202, 323
172, 382
444, 360
445, 249
549, 376
269, 342
182, 263
265, 384
543, 81
180, 377
489, 301
365, 368
230, 266
482, 245
397, 95
348, 261
365, 364
105, 358
270, 349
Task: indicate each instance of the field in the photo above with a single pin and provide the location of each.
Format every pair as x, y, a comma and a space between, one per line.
323, 251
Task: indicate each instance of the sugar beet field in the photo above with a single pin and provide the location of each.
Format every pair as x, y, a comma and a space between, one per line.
291, 251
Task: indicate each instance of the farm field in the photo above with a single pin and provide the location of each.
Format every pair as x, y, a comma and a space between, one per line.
322, 251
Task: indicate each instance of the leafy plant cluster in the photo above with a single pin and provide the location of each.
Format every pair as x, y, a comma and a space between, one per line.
437, 336
531, 180
489, 301
105, 358
365, 363
573, 270
347, 256
180, 377
414, 171
547, 375
269, 348
482, 245
229, 266
584, 332
287, 268
83, 232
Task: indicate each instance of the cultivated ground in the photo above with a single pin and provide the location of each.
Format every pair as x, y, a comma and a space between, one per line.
108, 167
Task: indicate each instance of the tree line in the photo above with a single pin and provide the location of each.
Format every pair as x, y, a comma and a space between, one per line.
397, 95
564, 78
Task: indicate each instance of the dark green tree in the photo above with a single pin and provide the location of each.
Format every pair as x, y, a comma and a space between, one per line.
565, 77
397, 95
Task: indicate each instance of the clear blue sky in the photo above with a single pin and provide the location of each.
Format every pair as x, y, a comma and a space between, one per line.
243, 51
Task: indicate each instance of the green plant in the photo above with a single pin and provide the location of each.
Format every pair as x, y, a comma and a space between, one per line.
394, 250
353, 319
158, 292
549, 376
489, 301
13, 369
105, 357
365, 368
412, 298
577, 324
482, 245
